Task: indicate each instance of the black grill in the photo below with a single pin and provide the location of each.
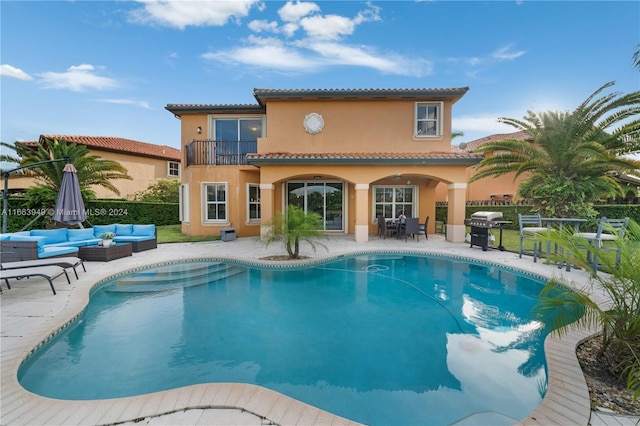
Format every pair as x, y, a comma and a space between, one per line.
481, 223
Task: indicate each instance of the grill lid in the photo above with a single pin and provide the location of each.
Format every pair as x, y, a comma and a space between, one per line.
486, 216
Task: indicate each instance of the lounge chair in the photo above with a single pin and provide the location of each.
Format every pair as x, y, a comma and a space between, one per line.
50, 273
11, 260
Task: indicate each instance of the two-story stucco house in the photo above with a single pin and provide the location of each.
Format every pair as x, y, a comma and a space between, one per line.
349, 155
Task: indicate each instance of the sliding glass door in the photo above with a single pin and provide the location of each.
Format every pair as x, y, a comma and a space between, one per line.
324, 198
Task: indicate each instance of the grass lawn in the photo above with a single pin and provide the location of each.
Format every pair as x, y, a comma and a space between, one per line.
510, 239
172, 234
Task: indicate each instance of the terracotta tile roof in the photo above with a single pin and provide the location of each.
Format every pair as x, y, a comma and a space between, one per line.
454, 94
365, 158
474, 144
359, 93
116, 144
179, 109
264, 94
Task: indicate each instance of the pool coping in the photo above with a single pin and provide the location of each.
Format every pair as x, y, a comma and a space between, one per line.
566, 400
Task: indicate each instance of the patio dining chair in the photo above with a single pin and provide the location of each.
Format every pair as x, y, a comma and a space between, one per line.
609, 231
423, 229
531, 229
383, 230
411, 227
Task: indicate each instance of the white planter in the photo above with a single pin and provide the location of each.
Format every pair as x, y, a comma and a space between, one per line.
106, 243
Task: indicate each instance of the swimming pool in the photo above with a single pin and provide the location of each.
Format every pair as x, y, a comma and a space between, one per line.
379, 339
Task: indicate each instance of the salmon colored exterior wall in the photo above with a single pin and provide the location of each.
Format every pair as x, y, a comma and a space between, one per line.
482, 190
350, 126
143, 170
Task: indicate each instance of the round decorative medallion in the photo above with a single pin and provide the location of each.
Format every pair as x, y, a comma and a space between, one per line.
313, 123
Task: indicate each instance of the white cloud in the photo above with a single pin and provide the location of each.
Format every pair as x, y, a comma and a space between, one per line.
340, 54
141, 104
321, 45
479, 64
260, 25
13, 72
181, 14
76, 78
329, 27
289, 29
265, 52
506, 54
294, 11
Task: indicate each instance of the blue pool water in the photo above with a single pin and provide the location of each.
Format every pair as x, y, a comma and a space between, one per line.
379, 339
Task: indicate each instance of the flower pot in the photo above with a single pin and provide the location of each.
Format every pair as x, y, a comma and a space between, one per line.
106, 243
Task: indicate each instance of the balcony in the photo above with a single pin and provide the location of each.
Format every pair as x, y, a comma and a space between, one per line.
219, 152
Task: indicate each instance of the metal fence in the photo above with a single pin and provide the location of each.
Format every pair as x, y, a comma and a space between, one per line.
219, 153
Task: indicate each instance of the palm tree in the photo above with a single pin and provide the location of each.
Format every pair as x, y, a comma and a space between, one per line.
92, 170
8, 158
636, 57
292, 227
618, 319
570, 160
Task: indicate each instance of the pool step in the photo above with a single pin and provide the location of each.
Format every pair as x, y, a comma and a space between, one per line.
167, 275
179, 268
150, 284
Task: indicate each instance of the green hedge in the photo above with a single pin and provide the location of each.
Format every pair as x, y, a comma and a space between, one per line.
510, 213
99, 212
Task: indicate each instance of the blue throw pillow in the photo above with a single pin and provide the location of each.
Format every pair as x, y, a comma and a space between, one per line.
52, 235
123, 230
144, 230
101, 229
80, 234
39, 240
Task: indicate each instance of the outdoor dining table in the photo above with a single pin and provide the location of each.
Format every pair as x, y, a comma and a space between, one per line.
559, 223
398, 225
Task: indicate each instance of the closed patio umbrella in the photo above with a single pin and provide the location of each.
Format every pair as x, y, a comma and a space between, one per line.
69, 207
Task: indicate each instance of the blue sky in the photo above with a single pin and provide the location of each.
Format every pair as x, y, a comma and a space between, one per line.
108, 68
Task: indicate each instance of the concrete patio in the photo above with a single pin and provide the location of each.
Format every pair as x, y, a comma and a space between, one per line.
31, 313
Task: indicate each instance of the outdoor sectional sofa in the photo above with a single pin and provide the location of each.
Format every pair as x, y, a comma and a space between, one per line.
43, 243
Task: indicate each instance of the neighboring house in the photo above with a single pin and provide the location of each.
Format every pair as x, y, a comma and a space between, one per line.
349, 155
492, 190
146, 163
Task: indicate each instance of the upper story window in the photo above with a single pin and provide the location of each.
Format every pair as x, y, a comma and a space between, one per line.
428, 122
237, 129
174, 169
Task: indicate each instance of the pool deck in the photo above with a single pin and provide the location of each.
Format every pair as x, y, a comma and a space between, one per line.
30, 313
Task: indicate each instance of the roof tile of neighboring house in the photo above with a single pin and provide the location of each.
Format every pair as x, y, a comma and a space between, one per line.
453, 93
365, 157
116, 144
473, 145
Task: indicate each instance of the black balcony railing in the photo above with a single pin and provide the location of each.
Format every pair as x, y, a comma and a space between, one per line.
219, 153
